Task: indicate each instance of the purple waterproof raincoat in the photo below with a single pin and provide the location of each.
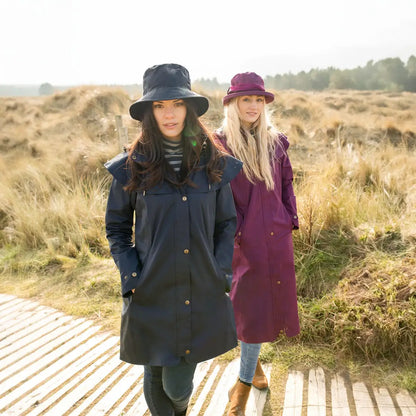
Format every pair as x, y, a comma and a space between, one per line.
264, 284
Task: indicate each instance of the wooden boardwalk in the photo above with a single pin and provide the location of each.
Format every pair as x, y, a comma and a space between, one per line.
52, 364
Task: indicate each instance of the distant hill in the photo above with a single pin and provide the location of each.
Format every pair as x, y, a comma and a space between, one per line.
34, 90
390, 74
19, 90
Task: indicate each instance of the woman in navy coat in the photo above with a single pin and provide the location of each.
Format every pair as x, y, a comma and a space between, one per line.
264, 285
172, 188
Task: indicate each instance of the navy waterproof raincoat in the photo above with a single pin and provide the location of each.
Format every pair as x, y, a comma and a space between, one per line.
178, 265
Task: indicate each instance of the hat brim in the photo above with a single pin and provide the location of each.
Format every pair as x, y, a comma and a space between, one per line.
199, 102
268, 96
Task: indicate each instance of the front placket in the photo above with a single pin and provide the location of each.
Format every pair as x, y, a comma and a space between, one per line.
183, 296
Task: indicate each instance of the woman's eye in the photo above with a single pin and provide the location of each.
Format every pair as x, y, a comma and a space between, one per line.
179, 104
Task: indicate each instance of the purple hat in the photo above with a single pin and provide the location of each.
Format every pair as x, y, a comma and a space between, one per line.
247, 83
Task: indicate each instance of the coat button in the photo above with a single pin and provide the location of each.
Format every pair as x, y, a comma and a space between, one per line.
133, 157
134, 274
187, 352
187, 302
278, 282
239, 233
295, 216
125, 277
184, 198
186, 251
272, 233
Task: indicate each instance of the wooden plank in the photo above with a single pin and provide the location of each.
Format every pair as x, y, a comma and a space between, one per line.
87, 386
219, 398
11, 306
62, 375
340, 405
257, 398
316, 393
406, 403
12, 312
98, 389
363, 403
139, 407
44, 339
117, 390
200, 373
4, 298
28, 329
31, 361
25, 325
46, 369
195, 409
134, 392
64, 379
384, 402
59, 395
16, 304
22, 346
293, 394
9, 319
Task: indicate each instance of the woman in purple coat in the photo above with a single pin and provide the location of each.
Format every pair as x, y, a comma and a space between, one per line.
264, 284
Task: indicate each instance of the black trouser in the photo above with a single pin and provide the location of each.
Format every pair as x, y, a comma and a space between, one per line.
167, 389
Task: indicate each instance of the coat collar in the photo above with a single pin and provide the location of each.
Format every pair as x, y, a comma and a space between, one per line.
118, 167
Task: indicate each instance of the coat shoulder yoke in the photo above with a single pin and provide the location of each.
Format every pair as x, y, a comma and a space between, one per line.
231, 169
117, 166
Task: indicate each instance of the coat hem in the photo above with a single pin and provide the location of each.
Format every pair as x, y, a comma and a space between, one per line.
261, 340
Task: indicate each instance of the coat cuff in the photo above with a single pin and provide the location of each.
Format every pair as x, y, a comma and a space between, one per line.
129, 268
128, 283
295, 222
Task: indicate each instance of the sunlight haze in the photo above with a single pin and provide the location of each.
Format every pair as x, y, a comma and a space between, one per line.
106, 42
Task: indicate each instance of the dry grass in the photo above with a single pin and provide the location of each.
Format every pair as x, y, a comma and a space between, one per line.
354, 161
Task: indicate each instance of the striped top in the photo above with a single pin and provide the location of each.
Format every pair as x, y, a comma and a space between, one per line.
173, 153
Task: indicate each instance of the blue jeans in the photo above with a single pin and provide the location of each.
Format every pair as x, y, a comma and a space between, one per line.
248, 362
167, 389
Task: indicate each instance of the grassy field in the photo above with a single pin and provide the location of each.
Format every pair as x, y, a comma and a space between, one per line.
354, 160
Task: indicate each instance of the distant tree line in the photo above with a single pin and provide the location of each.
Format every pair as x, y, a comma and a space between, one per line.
210, 84
390, 74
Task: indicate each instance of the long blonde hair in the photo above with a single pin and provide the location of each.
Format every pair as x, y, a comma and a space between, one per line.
255, 147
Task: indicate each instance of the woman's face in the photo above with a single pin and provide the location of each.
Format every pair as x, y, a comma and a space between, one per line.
250, 107
170, 117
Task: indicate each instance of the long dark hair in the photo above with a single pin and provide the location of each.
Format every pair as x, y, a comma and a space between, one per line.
198, 146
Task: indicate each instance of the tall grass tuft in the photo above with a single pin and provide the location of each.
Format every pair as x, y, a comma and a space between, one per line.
49, 206
355, 182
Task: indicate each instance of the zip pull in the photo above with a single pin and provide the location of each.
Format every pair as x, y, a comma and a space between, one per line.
144, 193
209, 186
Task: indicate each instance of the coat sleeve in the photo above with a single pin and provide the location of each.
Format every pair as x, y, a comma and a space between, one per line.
119, 232
288, 194
225, 226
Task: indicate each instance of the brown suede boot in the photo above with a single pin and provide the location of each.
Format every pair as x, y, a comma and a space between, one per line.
231, 391
238, 395
259, 379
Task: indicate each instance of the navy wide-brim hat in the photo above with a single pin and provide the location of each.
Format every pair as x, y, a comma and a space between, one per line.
167, 82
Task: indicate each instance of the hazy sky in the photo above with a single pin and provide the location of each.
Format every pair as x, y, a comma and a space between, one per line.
68, 42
